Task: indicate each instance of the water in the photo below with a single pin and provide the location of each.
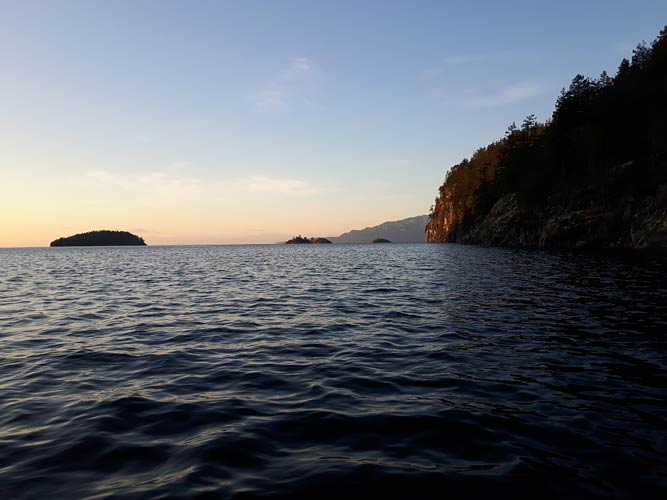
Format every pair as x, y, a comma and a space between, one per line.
418, 371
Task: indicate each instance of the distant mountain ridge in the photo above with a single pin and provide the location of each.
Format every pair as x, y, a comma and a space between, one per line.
410, 230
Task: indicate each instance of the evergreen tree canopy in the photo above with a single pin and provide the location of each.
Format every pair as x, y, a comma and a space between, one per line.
606, 136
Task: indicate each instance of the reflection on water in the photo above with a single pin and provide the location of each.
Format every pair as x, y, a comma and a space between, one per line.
320, 371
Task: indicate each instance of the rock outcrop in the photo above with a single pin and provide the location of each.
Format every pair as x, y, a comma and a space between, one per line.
627, 222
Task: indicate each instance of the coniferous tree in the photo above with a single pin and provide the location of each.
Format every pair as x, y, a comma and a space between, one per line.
606, 136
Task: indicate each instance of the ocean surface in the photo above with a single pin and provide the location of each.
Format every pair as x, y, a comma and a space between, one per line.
332, 371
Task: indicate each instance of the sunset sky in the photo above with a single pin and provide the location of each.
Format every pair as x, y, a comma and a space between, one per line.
250, 121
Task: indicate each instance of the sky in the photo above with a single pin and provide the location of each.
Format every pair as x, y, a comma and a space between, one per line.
212, 122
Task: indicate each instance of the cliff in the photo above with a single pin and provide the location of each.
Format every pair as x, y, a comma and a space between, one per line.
595, 175
99, 238
627, 222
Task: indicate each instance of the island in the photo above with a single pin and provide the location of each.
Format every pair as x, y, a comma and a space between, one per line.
99, 238
299, 240
380, 240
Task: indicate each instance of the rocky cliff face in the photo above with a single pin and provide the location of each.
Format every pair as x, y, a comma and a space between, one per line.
627, 222
446, 218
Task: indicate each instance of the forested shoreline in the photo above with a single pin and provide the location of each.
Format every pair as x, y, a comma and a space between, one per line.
595, 174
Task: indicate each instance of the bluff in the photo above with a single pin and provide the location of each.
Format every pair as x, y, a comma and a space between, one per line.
99, 238
595, 175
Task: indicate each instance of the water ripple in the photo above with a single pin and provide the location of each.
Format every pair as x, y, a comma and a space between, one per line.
411, 371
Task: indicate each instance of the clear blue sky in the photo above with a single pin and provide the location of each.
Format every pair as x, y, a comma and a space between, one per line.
232, 121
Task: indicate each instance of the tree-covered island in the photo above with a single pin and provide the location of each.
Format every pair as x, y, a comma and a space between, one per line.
299, 240
99, 238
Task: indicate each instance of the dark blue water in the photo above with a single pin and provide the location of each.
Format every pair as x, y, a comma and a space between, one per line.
414, 371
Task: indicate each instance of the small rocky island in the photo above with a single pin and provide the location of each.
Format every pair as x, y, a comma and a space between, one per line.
299, 240
380, 240
100, 238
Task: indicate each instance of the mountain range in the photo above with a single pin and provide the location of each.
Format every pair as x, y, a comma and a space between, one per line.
410, 230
